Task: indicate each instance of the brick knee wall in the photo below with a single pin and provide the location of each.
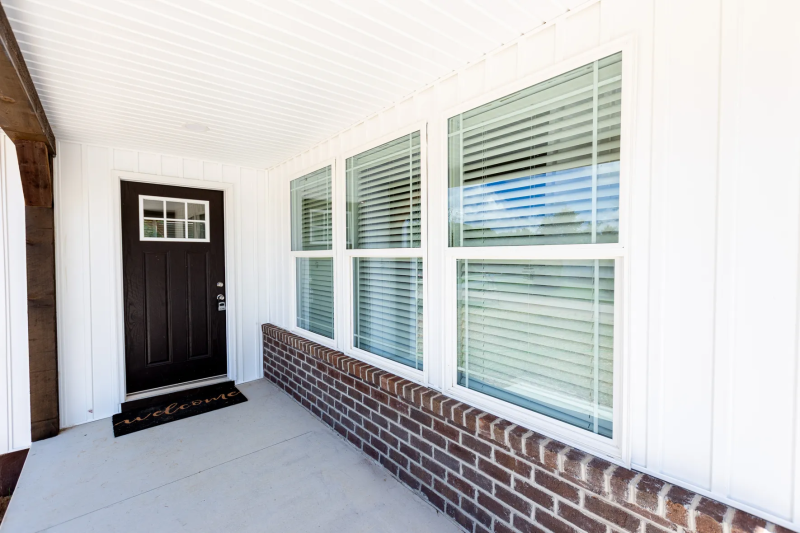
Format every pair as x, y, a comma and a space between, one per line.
486, 473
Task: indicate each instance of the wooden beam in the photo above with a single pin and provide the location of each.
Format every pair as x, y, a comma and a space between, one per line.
34, 170
42, 352
22, 116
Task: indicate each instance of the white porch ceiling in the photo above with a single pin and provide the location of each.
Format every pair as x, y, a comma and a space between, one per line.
270, 78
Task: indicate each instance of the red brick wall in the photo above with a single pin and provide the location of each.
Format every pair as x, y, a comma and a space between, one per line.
486, 473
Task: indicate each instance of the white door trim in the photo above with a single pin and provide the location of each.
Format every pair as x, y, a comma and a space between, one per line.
232, 292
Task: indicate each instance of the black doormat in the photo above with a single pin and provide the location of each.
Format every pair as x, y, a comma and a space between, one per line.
146, 413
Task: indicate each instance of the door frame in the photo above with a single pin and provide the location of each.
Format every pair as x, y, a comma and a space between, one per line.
231, 294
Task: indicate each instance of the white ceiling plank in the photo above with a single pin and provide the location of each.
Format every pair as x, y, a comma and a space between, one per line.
150, 48
270, 78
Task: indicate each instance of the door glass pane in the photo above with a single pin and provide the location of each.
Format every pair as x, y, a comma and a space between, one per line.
315, 295
154, 229
176, 229
196, 230
540, 334
176, 210
384, 196
540, 166
153, 208
196, 211
312, 223
388, 308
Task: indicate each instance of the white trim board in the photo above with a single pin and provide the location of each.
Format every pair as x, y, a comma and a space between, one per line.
232, 293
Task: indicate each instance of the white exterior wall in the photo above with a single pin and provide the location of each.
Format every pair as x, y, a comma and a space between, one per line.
89, 337
15, 403
714, 216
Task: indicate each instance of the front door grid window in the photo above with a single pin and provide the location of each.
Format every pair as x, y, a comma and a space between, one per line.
173, 219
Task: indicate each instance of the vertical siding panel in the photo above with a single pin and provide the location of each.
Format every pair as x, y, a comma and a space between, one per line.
212, 171
101, 282
149, 163
582, 31
191, 169
405, 113
471, 81
231, 174
19, 370
284, 245
758, 270
73, 314
6, 313
359, 137
276, 273
501, 68
388, 125
172, 166
251, 337
684, 238
126, 160
263, 237
537, 51
424, 102
447, 92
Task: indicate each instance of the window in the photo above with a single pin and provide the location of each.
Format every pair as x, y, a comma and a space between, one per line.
312, 252
540, 166
534, 185
312, 227
315, 295
386, 250
539, 334
383, 196
387, 314
173, 219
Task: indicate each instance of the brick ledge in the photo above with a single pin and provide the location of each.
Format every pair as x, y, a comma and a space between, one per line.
656, 501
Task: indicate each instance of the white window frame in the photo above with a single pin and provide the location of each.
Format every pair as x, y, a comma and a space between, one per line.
319, 254
617, 448
185, 202
347, 307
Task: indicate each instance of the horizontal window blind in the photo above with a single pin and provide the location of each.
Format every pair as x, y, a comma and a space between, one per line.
387, 314
315, 295
540, 334
540, 166
384, 196
312, 227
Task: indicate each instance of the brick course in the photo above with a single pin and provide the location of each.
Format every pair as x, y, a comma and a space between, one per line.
484, 472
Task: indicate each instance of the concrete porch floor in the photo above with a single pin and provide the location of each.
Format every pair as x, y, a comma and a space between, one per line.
264, 465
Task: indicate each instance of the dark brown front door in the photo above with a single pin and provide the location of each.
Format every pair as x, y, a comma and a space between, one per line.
173, 254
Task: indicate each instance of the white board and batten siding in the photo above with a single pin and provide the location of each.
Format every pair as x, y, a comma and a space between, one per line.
714, 219
15, 403
89, 335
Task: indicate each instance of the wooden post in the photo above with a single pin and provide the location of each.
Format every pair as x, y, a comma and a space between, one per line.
34, 166
23, 119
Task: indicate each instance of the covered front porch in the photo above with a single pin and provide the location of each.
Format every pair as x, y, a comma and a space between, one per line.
263, 465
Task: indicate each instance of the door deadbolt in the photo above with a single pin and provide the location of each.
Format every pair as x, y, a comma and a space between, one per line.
220, 284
